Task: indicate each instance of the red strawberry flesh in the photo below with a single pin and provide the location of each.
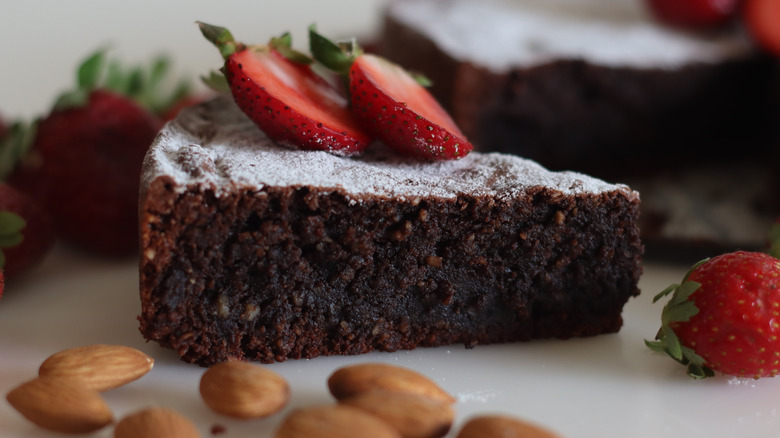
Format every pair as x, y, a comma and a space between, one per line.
403, 113
291, 104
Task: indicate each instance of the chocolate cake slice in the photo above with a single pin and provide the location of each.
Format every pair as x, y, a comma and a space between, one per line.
257, 252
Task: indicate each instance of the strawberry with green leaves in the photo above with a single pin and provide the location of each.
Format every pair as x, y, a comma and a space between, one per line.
392, 103
82, 161
277, 88
724, 317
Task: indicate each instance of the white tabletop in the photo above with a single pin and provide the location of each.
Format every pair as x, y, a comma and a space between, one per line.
606, 386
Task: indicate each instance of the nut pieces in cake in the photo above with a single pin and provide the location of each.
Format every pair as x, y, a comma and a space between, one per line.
288, 99
724, 317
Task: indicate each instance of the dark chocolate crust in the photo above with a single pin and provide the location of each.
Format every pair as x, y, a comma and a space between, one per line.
297, 272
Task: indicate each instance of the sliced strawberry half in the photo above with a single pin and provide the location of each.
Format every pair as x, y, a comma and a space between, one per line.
763, 20
391, 103
401, 112
280, 92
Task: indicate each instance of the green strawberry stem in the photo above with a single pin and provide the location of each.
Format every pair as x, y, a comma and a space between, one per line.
340, 57
335, 57
15, 145
144, 84
774, 240
217, 82
11, 225
679, 309
221, 38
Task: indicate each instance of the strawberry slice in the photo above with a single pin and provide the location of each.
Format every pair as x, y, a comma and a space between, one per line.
763, 21
391, 103
398, 110
276, 87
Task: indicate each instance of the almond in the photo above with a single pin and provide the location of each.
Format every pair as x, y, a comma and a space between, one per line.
99, 367
333, 421
500, 426
156, 423
61, 405
413, 415
243, 390
355, 379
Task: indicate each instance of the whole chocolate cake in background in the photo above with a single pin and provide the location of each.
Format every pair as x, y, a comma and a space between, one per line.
688, 119
253, 251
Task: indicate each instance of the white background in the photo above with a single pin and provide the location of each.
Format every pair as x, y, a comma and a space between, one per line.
42, 42
609, 386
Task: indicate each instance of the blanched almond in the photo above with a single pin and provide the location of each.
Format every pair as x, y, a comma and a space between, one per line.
501, 426
356, 379
99, 367
412, 415
156, 423
61, 405
334, 421
243, 390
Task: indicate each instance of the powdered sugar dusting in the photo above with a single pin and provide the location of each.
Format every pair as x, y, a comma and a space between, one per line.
214, 145
501, 34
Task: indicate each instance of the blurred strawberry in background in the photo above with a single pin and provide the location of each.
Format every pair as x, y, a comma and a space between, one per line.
82, 161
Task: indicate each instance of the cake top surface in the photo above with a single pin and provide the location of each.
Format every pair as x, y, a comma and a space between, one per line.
500, 34
215, 145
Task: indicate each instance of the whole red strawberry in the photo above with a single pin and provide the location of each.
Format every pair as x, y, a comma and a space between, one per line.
86, 155
724, 317
695, 13
84, 166
392, 104
276, 88
25, 231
